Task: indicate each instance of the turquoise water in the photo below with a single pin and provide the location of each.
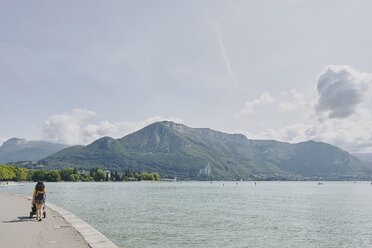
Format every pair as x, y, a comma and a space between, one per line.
221, 214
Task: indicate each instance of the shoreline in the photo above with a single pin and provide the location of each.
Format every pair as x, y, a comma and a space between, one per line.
93, 237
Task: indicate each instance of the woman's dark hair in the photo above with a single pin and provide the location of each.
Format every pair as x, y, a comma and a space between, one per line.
40, 186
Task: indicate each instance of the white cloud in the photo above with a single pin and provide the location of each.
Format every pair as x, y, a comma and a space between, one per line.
353, 135
249, 107
285, 107
66, 128
287, 102
341, 116
292, 101
72, 128
341, 90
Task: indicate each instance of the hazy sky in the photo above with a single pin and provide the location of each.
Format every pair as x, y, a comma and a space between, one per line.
290, 70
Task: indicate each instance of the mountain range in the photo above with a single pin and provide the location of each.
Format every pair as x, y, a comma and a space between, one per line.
14, 150
175, 150
364, 157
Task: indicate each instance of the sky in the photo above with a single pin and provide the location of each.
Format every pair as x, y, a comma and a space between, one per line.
290, 70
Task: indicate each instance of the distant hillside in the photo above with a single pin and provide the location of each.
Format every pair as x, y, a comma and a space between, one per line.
365, 157
15, 149
175, 150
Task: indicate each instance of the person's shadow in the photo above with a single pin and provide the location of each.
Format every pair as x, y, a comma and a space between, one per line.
20, 219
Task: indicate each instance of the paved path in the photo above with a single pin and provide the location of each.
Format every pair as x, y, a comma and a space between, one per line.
18, 230
60, 229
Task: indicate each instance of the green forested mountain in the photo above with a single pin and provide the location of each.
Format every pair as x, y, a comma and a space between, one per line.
175, 150
15, 149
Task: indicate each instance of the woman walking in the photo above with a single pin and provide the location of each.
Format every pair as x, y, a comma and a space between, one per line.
39, 199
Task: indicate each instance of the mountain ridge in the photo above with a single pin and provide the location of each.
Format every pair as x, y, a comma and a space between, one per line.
175, 150
16, 149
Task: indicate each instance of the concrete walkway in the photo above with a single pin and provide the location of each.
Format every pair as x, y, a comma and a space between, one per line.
58, 230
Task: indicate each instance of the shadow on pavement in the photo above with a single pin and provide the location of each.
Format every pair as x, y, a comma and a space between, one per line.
20, 219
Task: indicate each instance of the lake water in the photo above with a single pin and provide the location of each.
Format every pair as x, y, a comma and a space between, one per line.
220, 214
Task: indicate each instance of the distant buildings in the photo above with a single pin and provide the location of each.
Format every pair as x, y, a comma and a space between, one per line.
207, 170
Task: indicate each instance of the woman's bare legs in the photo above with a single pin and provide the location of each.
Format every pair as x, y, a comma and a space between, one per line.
38, 211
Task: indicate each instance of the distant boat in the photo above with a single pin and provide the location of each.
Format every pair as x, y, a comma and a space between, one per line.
320, 181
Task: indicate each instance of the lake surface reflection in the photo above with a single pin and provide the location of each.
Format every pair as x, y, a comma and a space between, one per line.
220, 214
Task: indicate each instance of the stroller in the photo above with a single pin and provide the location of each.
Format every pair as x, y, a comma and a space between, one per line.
33, 211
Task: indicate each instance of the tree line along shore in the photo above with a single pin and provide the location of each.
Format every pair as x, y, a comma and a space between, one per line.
14, 173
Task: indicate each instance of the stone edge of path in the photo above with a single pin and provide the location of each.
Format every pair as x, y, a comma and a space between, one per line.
92, 236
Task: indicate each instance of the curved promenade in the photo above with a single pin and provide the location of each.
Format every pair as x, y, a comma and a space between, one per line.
60, 229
